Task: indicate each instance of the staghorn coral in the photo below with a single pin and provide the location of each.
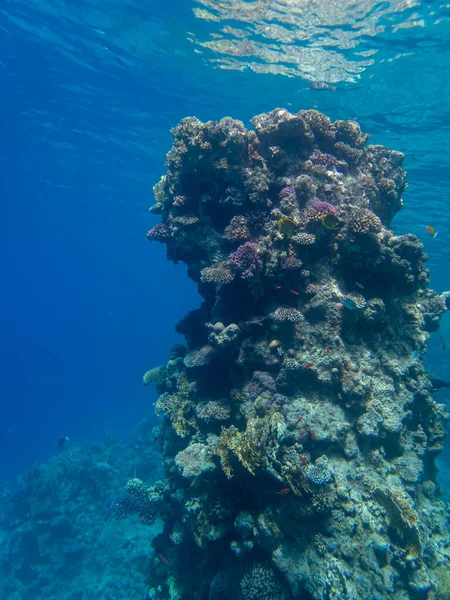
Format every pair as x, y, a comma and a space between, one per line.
324, 472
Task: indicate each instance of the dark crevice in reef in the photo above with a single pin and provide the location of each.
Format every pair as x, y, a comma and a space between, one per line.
298, 432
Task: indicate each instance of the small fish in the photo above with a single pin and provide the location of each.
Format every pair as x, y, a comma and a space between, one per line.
278, 287
63, 442
328, 350
439, 384
313, 435
303, 459
348, 303
415, 355
162, 558
431, 230
330, 222
287, 226
308, 366
443, 342
360, 285
283, 492
321, 86
294, 292
299, 420
274, 344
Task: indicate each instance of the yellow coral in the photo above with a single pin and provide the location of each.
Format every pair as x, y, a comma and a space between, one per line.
399, 507
177, 406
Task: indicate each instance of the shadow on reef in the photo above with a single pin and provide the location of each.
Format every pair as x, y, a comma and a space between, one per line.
298, 434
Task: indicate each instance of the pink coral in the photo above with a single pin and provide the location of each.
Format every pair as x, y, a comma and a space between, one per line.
319, 209
291, 263
158, 233
246, 260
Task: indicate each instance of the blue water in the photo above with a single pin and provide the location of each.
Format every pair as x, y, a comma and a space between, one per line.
90, 91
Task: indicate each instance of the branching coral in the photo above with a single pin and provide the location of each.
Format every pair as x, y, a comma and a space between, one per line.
246, 260
287, 313
364, 221
319, 209
194, 460
217, 274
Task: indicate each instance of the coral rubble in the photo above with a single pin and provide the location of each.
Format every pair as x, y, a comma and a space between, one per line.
299, 434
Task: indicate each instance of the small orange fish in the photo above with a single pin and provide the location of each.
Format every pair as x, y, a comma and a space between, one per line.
294, 292
431, 230
283, 491
162, 558
327, 349
278, 287
299, 420
313, 435
308, 365
304, 460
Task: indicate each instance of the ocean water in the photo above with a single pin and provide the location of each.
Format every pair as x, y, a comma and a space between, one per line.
90, 91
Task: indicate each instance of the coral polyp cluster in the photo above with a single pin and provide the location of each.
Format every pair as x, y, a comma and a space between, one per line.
298, 434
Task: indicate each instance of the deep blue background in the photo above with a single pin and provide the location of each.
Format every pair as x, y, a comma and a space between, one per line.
87, 305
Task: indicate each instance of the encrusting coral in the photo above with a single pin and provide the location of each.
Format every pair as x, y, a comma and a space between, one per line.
299, 433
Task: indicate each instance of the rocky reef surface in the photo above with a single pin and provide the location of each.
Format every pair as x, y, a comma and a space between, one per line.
70, 530
298, 434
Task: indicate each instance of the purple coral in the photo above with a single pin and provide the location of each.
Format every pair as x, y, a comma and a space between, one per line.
291, 263
159, 233
287, 191
260, 381
246, 260
319, 209
179, 200
323, 159
288, 199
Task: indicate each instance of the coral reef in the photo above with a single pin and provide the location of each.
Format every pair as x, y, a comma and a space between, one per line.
299, 435
61, 536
